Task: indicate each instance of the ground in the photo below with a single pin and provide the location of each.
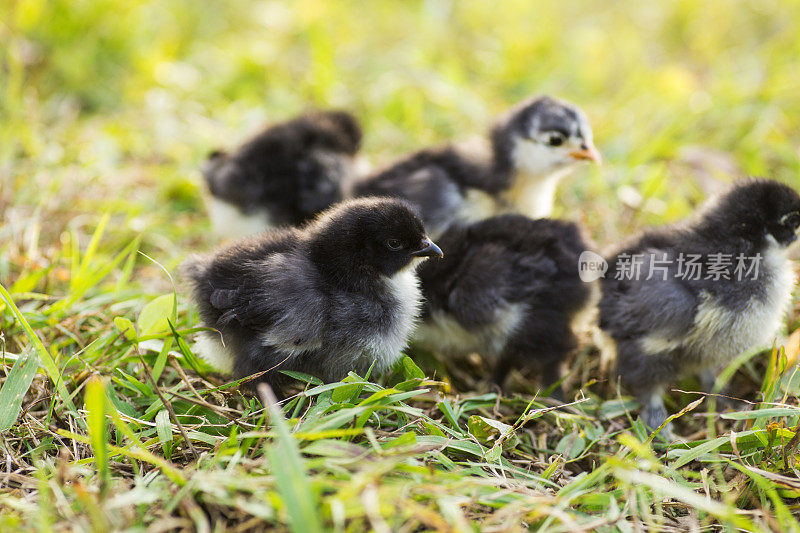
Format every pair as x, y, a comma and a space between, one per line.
107, 109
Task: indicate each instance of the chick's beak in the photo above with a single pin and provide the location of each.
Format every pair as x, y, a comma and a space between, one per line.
588, 152
429, 249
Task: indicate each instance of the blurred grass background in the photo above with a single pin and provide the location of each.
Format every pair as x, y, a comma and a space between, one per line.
125, 96
110, 106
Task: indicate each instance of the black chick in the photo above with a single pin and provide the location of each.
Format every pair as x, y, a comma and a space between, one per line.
283, 176
532, 147
672, 318
508, 289
335, 296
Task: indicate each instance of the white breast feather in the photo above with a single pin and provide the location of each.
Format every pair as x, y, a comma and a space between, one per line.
720, 334
529, 194
387, 347
478, 205
228, 222
533, 196
210, 349
539, 169
442, 333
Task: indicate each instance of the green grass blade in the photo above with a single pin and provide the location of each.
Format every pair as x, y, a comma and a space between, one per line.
87, 280
302, 505
91, 250
671, 489
16, 385
44, 356
138, 453
163, 426
98, 434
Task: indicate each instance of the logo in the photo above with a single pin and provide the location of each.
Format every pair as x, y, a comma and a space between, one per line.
591, 266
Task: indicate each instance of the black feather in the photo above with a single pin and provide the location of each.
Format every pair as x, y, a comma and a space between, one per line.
291, 170
663, 326
318, 299
504, 263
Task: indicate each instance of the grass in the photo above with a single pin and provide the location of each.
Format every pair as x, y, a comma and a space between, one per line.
110, 423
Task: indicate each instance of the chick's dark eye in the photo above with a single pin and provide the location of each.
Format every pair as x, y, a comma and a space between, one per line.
394, 244
792, 220
555, 139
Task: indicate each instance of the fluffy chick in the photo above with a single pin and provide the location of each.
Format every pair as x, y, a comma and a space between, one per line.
335, 296
285, 175
668, 326
508, 289
530, 149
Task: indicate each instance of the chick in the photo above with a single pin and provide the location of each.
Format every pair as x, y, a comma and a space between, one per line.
334, 296
508, 289
531, 149
283, 176
691, 297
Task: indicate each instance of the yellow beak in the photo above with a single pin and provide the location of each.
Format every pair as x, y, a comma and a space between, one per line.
589, 153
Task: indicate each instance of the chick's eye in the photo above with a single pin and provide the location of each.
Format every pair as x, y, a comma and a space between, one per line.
394, 244
792, 220
555, 139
